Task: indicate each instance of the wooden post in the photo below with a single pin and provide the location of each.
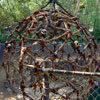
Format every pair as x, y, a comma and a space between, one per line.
46, 82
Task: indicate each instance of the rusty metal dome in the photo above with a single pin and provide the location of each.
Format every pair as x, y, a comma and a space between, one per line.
52, 35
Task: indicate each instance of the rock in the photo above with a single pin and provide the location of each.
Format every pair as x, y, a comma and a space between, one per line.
8, 89
1, 51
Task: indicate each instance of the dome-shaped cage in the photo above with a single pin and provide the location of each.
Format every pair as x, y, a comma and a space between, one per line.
55, 36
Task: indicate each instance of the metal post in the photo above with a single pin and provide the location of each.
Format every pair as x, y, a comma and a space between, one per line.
46, 83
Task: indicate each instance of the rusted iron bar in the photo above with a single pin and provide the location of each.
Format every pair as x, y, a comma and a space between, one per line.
56, 2
50, 70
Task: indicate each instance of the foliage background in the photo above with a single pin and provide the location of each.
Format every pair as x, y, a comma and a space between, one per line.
12, 11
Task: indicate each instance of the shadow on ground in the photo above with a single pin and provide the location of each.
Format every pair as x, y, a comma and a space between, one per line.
4, 94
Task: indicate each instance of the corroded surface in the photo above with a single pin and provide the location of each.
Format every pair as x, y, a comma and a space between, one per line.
43, 36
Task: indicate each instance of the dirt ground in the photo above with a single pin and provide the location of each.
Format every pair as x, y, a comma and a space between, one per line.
4, 94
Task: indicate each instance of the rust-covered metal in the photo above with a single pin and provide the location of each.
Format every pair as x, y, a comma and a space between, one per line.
55, 36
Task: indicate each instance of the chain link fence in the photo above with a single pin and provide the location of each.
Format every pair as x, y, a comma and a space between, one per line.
53, 84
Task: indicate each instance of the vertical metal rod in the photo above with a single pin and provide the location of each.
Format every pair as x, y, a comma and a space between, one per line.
46, 83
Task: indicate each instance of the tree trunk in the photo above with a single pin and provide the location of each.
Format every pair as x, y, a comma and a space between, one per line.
77, 7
